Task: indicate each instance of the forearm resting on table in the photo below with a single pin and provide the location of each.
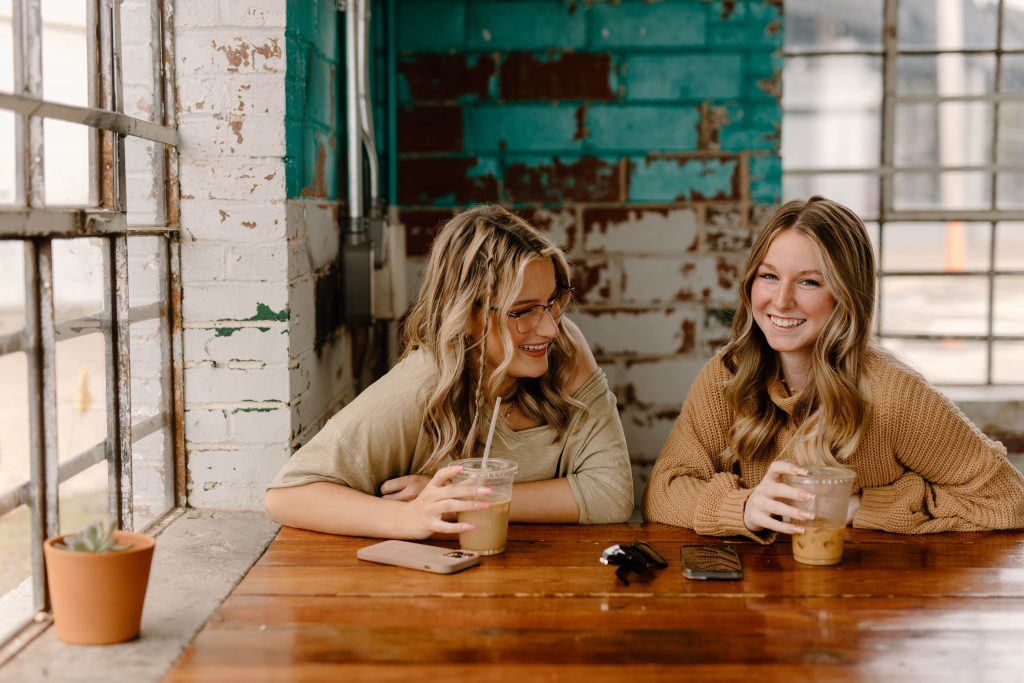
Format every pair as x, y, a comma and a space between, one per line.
335, 509
546, 501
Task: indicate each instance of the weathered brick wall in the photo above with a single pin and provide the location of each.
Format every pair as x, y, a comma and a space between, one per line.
257, 122
643, 135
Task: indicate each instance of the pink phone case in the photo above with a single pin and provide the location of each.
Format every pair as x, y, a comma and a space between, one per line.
426, 558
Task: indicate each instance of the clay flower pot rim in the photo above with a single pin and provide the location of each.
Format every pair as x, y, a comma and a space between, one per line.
138, 541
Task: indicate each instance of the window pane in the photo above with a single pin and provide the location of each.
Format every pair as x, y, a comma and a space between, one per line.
1008, 363
83, 499
1013, 25
833, 24
1010, 149
6, 48
952, 246
948, 361
1012, 76
1009, 305
825, 123
945, 75
956, 305
859, 191
1010, 191
1009, 245
66, 162
16, 598
145, 193
948, 190
8, 170
950, 134
947, 24
65, 75
81, 394
78, 277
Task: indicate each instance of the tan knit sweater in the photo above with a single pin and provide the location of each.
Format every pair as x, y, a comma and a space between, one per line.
921, 465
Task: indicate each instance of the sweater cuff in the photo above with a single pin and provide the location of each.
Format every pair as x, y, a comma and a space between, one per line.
727, 520
876, 504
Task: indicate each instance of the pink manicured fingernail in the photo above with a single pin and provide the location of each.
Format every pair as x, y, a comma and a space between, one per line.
483, 491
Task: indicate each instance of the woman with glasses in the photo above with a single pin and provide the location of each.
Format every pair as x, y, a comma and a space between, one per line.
488, 322
803, 382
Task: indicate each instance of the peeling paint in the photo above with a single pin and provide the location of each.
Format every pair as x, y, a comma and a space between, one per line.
728, 273
772, 86
318, 186
712, 119
586, 179
728, 7
581, 132
236, 123
240, 55
689, 332
226, 331
557, 75
224, 215
264, 312
249, 224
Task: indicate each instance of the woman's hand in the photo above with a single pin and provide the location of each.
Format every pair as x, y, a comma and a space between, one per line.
422, 516
765, 506
404, 488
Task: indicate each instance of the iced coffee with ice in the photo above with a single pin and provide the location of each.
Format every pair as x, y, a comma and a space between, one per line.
490, 530
822, 540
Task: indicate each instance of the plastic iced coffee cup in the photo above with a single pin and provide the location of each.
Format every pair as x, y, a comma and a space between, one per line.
491, 525
822, 540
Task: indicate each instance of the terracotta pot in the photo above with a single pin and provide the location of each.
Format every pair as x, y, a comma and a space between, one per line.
97, 598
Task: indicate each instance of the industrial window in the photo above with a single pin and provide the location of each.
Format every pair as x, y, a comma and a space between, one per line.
89, 346
911, 112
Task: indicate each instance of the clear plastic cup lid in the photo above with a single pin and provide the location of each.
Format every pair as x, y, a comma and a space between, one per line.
495, 466
817, 474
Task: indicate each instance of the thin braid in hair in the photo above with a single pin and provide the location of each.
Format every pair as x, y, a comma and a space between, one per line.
474, 428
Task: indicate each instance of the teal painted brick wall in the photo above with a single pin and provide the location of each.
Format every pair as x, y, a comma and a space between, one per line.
313, 116
564, 81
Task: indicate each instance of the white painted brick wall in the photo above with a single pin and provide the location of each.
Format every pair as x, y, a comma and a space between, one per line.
645, 332
660, 383
230, 64
648, 231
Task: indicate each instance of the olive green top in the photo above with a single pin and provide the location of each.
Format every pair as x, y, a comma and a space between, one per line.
379, 436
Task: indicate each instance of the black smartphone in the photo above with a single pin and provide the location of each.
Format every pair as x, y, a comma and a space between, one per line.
711, 562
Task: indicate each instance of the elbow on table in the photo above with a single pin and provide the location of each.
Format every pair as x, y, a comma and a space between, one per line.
274, 506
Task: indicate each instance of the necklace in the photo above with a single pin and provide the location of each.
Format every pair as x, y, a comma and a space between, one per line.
511, 407
785, 385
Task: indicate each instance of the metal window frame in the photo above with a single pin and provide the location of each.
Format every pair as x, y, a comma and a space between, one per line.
887, 170
36, 226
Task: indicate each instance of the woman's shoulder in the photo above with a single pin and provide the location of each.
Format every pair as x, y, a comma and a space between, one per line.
887, 375
586, 364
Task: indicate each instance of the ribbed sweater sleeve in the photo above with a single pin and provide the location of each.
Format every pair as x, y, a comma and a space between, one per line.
686, 487
956, 478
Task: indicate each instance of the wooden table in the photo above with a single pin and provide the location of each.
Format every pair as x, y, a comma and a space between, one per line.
923, 608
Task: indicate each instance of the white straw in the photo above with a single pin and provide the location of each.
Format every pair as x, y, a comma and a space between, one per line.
490, 432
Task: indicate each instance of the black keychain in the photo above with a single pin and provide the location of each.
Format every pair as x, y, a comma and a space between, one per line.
636, 557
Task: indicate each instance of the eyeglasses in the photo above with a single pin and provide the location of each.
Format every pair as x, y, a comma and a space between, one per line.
527, 320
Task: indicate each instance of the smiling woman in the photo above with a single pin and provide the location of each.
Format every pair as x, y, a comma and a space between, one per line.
802, 382
489, 322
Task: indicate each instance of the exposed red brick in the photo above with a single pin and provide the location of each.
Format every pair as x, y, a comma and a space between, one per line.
602, 217
420, 228
541, 219
430, 129
708, 130
428, 181
557, 76
317, 186
728, 273
581, 132
689, 330
588, 179
447, 76
589, 282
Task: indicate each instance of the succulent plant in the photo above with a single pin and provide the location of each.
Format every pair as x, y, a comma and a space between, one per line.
98, 537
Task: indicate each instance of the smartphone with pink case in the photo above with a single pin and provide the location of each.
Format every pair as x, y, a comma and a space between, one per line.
428, 558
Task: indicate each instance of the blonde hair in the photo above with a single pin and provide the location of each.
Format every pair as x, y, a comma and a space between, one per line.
833, 407
476, 266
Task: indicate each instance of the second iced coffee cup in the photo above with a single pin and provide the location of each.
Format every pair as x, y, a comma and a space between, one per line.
488, 538
822, 540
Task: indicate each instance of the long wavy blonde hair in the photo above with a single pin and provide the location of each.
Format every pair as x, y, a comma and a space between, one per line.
833, 407
473, 275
